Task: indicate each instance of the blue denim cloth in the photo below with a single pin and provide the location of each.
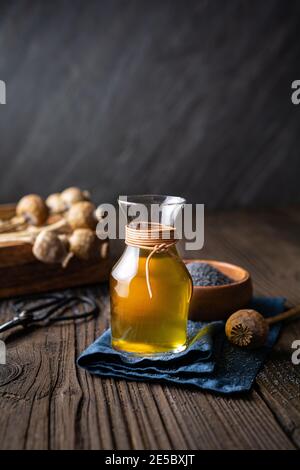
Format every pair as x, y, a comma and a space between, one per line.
210, 363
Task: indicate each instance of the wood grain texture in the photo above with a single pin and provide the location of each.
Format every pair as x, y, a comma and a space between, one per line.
138, 96
46, 402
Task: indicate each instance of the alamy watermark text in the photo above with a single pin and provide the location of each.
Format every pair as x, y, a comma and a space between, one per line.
2, 92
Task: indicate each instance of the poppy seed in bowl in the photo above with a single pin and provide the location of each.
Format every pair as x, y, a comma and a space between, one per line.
204, 274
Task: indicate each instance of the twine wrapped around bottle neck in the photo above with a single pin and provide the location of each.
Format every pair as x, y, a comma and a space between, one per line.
151, 236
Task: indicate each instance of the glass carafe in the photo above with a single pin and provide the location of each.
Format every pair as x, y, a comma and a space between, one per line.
150, 287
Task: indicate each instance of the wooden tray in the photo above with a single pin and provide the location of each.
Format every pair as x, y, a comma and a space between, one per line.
21, 273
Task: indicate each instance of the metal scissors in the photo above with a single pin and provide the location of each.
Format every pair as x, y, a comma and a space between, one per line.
48, 308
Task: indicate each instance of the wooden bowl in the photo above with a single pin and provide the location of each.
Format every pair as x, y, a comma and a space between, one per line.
219, 302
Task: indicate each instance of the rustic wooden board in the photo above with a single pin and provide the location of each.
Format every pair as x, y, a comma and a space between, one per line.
46, 402
22, 273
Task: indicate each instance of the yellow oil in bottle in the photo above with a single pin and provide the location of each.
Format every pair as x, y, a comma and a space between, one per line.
143, 324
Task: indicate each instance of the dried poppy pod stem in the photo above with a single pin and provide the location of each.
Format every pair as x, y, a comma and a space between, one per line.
30, 210
33, 231
249, 329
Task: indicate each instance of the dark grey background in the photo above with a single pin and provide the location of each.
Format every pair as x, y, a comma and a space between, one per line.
184, 97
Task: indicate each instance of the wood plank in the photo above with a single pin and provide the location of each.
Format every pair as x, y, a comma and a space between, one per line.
7, 211
267, 243
279, 382
35, 277
63, 407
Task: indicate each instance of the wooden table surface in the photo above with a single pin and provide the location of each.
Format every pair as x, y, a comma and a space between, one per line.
46, 402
